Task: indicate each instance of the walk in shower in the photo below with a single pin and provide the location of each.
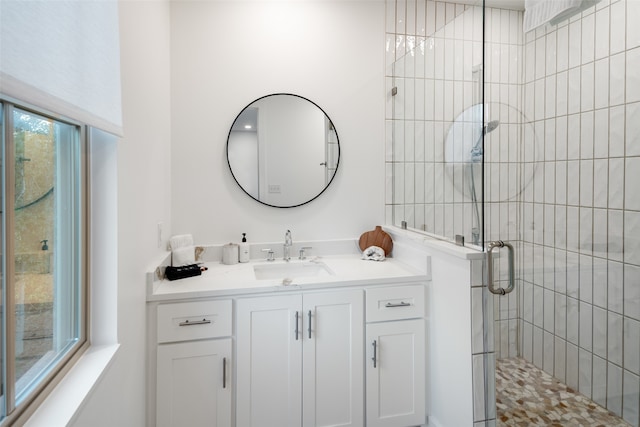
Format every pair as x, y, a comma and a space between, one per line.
532, 137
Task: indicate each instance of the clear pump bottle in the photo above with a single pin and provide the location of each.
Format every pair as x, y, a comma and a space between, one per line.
244, 249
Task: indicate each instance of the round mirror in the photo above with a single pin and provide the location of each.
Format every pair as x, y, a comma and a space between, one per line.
283, 150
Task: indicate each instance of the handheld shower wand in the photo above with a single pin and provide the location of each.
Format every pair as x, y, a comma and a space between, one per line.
476, 150
476, 156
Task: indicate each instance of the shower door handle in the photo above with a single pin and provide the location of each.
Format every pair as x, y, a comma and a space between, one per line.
490, 284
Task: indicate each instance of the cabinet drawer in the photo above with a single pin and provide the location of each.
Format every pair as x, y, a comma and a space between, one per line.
395, 303
194, 320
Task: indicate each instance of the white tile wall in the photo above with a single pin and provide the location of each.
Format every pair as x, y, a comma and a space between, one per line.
615, 338
561, 174
614, 389
559, 362
596, 209
616, 132
631, 394
633, 32
633, 129
599, 394
585, 371
615, 284
572, 366
599, 88
632, 291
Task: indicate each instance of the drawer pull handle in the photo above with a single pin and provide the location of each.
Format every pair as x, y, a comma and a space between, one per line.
375, 353
297, 329
224, 372
309, 324
401, 304
196, 322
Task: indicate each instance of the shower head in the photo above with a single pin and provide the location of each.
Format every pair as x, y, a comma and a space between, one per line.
491, 126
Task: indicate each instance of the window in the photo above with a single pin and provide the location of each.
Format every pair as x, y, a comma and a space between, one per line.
44, 297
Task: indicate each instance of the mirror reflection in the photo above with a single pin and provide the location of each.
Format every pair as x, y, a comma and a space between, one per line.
35, 158
283, 150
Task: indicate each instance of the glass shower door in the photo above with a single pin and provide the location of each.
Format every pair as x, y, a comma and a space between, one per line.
434, 120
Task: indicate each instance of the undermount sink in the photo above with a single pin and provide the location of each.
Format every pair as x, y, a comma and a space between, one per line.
290, 270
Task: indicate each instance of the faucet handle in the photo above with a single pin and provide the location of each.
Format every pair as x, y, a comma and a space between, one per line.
270, 255
302, 254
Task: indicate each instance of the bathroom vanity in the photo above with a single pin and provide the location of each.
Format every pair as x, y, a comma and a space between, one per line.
328, 341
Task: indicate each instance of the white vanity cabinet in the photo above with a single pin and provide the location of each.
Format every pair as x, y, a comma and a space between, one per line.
193, 364
227, 350
395, 369
300, 359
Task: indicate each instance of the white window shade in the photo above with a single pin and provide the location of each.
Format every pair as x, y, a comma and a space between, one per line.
63, 56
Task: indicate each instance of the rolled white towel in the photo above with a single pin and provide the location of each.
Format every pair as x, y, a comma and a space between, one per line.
180, 241
373, 253
183, 256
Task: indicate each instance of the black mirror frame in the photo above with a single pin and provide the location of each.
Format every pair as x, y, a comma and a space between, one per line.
337, 138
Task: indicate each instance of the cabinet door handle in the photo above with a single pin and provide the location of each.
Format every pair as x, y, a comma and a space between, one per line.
375, 353
400, 304
309, 326
224, 372
297, 330
196, 322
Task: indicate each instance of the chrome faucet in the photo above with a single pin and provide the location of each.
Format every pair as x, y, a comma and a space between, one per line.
287, 246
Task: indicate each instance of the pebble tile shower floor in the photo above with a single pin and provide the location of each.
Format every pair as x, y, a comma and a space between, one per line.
528, 396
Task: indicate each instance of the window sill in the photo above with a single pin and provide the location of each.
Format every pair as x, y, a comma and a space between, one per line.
61, 405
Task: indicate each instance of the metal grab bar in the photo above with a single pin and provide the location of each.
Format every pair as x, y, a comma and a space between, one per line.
512, 283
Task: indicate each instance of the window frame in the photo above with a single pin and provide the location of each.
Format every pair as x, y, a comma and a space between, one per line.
10, 411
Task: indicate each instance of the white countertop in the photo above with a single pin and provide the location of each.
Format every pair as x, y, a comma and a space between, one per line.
239, 279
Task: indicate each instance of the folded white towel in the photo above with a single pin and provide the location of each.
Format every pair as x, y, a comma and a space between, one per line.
183, 256
540, 12
373, 253
180, 241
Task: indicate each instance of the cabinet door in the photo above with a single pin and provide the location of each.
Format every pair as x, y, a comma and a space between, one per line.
193, 384
269, 362
396, 373
333, 368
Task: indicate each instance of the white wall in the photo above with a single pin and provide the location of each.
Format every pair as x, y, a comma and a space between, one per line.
450, 357
172, 164
143, 200
225, 55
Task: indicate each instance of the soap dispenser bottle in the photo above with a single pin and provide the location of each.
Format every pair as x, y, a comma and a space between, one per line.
244, 249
